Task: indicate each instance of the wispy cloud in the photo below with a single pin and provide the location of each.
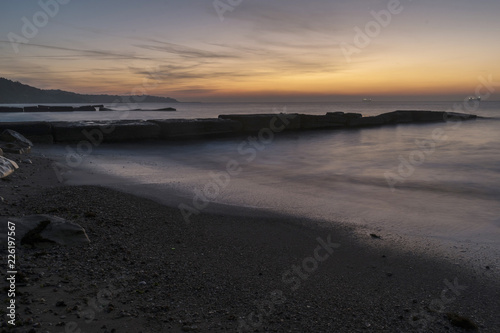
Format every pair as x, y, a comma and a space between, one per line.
84, 52
288, 18
184, 51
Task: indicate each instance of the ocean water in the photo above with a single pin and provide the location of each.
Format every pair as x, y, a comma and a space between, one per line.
437, 183
212, 110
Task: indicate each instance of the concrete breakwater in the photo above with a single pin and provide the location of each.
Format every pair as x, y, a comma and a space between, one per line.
58, 108
224, 125
48, 108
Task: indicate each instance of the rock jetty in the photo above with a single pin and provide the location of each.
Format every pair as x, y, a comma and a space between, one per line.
224, 125
59, 108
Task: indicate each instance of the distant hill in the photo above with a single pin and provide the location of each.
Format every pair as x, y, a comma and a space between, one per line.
17, 93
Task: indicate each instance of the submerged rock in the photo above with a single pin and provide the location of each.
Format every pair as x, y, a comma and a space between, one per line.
7, 167
34, 229
456, 116
409, 116
166, 109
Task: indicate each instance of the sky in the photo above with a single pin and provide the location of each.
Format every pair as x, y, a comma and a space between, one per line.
255, 50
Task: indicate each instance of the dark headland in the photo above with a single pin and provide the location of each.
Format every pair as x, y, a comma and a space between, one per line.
17, 93
59, 108
145, 269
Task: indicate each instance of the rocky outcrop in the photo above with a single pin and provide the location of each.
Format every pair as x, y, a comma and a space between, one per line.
10, 109
455, 116
352, 115
105, 131
37, 131
257, 122
166, 109
13, 148
196, 128
412, 116
102, 108
13, 142
7, 166
409, 116
44, 229
14, 137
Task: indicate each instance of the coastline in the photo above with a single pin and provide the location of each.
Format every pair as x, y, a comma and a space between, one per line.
151, 271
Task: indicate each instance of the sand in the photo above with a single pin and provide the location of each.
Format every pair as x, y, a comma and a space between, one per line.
146, 270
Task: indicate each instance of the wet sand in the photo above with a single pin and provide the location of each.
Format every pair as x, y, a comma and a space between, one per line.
147, 270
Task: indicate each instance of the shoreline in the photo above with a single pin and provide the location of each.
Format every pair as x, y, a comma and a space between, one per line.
160, 274
472, 256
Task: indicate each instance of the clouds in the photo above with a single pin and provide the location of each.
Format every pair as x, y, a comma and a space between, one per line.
262, 47
83, 53
183, 51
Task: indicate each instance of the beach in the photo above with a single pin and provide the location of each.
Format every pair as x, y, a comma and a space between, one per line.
147, 270
250, 166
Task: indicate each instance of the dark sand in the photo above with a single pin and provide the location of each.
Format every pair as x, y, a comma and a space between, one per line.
146, 270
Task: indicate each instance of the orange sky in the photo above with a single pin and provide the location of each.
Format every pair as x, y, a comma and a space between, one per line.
260, 50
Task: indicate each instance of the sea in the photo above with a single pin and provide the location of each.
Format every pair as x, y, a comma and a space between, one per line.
435, 186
